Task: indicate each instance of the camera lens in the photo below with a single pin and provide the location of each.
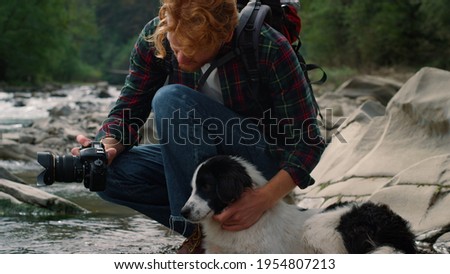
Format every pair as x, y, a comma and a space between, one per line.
90, 166
66, 168
47, 160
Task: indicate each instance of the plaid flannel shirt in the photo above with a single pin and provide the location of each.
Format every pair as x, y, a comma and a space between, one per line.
289, 115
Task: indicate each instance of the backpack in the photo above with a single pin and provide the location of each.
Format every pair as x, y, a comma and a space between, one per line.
283, 17
253, 14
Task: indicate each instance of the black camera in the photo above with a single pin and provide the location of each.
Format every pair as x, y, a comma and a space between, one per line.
90, 167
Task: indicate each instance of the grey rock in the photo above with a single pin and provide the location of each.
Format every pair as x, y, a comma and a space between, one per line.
9, 198
398, 155
369, 88
27, 139
442, 244
10, 150
5, 174
36, 197
60, 111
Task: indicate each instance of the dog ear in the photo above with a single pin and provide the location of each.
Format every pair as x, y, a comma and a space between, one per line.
231, 186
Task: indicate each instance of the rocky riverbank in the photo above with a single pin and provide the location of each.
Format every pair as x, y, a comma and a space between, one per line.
394, 151
45, 120
388, 142
33, 121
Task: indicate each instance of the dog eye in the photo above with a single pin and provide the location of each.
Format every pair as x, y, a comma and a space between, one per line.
206, 187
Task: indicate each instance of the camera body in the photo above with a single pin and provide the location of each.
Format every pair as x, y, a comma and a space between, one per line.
89, 167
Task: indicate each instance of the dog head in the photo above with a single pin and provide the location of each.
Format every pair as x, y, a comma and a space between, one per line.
217, 182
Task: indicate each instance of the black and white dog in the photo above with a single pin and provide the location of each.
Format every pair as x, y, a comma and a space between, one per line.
345, 228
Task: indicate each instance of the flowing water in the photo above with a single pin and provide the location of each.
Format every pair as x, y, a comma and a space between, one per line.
108, 228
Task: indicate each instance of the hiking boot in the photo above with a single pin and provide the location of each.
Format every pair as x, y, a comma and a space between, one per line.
193, 244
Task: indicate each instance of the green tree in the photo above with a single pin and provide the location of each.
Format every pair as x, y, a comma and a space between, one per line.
373, 34
381, 32
434, 26
76, 45
119, 23
39, 41
323, 32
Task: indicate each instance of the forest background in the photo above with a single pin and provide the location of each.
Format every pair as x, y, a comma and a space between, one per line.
76, 41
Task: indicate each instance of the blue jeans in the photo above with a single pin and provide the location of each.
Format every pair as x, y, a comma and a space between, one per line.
155, 179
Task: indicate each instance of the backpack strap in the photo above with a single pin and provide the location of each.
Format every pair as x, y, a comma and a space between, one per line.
215, 64
306, 68
248, 31
246, 34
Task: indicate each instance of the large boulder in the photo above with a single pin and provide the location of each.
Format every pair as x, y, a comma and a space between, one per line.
338, 105
398, 155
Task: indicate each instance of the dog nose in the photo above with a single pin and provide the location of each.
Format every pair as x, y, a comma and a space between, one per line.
186, 211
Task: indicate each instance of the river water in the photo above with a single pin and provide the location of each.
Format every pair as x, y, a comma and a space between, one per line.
108, 228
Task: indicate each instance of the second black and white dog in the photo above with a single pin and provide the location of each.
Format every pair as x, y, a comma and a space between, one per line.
344, 228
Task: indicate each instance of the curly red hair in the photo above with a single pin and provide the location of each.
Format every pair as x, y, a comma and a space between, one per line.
197, 24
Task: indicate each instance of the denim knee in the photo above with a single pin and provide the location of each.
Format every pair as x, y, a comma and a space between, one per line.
169, 98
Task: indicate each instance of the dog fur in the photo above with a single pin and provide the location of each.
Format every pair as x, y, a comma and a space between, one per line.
285, 228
